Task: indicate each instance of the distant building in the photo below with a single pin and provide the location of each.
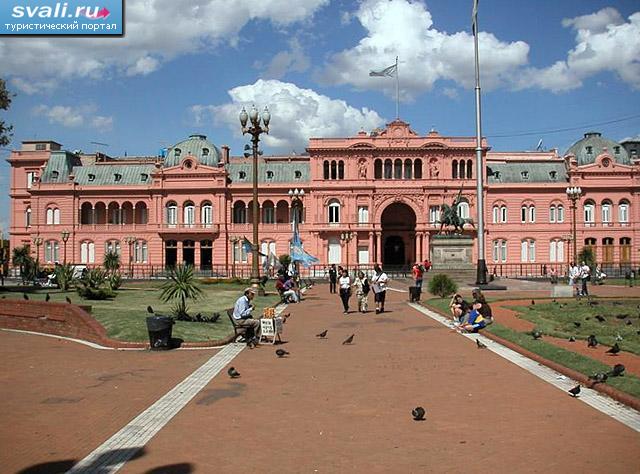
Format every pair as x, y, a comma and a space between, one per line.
192, 204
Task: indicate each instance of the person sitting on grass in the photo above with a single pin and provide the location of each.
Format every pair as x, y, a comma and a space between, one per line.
475, 321
242, 315
484, 309
458, 308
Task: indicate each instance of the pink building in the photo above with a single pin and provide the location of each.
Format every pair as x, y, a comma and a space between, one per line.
381, 190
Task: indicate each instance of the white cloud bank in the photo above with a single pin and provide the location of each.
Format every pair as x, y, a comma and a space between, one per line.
296, 114
156, 31
74, 117
405, 28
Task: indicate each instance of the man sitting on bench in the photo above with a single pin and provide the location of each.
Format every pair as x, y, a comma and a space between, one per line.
242, 313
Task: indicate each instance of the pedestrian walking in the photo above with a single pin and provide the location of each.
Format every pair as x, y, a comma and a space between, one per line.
362, 286
345, 290
379, 284
585, 276
333, 278
418, 271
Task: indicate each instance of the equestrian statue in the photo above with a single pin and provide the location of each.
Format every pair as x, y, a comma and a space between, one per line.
450, 217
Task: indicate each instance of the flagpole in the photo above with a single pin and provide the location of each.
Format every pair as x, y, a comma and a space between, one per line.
397, 91
481, 269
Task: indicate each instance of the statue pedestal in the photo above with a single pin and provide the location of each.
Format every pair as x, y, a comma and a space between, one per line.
452, 252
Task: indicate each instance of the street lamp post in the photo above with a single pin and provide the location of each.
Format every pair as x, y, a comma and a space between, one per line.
233, 239
346, 238
65, 237
130, 240
37, 241
296, 196
255, 130
574, 193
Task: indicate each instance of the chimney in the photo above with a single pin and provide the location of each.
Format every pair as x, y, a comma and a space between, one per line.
225, 154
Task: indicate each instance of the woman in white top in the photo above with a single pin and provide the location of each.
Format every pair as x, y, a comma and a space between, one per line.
345, 290
379, 285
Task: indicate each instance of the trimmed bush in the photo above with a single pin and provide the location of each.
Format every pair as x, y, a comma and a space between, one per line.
442, 286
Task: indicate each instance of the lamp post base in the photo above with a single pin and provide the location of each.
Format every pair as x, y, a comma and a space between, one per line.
255, 284
481, 272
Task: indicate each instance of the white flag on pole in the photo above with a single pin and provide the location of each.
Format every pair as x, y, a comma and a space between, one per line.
388, 71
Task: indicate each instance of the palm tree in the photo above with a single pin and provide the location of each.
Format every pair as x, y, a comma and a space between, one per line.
180, 287
22, 258
111, 262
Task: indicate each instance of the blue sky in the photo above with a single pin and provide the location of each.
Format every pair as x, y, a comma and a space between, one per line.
189, 66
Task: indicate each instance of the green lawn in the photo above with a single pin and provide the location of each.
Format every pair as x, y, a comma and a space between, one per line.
124, 316
551, 319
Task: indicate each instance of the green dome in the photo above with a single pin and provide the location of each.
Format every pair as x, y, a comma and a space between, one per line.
197, 146
593, 144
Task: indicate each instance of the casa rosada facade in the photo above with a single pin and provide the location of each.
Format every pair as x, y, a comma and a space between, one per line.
373, 197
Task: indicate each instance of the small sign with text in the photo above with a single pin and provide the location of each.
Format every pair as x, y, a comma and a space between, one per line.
62, 18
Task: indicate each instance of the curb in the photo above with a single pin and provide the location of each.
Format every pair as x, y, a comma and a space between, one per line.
608, 390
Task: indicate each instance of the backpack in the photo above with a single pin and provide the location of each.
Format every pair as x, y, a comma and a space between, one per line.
365, 286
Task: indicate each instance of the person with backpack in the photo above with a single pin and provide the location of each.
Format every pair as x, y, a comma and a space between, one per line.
362, 286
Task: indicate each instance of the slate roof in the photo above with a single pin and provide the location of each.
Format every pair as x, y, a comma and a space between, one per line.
534, 172
105, 175
197, 146
597, 144
59, 167
283, 172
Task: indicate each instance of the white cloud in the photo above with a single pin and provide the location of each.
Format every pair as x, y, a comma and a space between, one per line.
296, 114
73, 117
404, 28
292, 60
604, 42
33, 87
156, 31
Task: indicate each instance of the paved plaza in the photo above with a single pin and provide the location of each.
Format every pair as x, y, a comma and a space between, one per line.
327, 407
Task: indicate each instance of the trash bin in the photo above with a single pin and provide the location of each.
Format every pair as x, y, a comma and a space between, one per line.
414, 293
159, 328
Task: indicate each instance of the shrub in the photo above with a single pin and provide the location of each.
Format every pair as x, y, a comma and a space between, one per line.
588, 256
180, 287
442, 286
89, 293
64, 276
285, 260
90, 286
115, 280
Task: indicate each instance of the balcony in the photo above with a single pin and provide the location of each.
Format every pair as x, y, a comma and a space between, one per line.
160, 228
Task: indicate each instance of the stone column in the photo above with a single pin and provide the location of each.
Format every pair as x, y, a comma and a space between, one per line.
372, 244
378, 249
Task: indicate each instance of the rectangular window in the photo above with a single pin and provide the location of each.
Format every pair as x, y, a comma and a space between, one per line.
552, 251
363, 215
588, 214
623, 212
239, 253
269, 215
552, 214
523, 214
31, 178
496, 214
524, 251
172, 215
41, 146
500, 251
532, 250
503, 214
532, 213
434, 214
606, 214
334, 214
560, 215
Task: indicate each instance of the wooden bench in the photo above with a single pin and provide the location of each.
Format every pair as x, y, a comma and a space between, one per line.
237, 330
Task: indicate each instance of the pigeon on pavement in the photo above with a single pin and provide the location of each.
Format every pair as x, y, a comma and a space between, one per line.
323, 334
614, 350
233, 373
599, 377
348, 340
25, 296
575, 391
48, 297
418, 413
281, 353
68, 299
480, 344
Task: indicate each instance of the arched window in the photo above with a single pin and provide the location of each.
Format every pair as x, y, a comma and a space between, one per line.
523, 214
589, 213
417, 168
454, 169
606, 212
552, 213
500, 250
469, 169
461, 173
334, 211
112, 246
556, 250
528, 250
532, 213
499, 213
377, 169
87, 252
503, 214
559, 213
407, 169
239, 213
325, 169
496, 214
188, 214
206, 214
268, 213
140, 252
388, 169
340, 169
528, 213
623, 212
27, 217
397, 169
49, 215
463, 209
172, 214
51, 251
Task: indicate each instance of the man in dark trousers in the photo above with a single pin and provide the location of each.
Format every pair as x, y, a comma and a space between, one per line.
333, 278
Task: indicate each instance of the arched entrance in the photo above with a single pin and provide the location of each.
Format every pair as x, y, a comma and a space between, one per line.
398, 223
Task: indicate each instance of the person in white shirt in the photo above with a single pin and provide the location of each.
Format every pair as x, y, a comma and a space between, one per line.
379, 285
574, 274
345, 290
585, 274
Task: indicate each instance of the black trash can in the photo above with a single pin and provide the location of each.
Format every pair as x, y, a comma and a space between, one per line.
414, 293
159, 328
